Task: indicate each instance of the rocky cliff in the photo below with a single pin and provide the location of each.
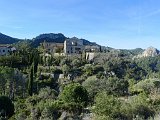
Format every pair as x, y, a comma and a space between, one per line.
149, 52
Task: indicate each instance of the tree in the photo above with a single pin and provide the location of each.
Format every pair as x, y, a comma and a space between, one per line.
148, 86
116, 86
107, 106
11, 61
7, 82
111, 85
6, 107
35, 66
66, 69
93, 86
74, 93
141, 106
12, 82
47, 114
47, 93
30, 82
76, 63
88, 69
65, 61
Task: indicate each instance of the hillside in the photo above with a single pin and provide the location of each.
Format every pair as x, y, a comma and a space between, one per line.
86, 42
79, 87
48, 37
52, 37
131, 52
4, 39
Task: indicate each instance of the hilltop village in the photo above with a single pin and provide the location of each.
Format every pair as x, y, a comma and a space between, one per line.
71, 46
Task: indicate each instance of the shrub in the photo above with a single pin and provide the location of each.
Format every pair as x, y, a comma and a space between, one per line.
74, 93
108, 106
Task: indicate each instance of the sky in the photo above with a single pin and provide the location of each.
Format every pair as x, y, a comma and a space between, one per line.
125, 24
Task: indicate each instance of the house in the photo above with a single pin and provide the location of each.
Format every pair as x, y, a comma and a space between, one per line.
73, 46
6, 49
52, 47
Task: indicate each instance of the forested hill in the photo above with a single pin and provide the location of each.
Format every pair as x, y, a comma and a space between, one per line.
58, 38
132, 52
49, 37
4, 39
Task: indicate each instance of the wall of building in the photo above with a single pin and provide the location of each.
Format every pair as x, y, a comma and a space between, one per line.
4, 50
70, 47
73, 46
90, 48
53, 47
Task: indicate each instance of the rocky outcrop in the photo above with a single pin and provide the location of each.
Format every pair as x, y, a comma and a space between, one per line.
149, 52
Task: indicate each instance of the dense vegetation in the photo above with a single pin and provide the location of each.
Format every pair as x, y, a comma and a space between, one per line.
113, 86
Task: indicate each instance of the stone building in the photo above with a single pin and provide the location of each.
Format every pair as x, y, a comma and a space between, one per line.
6, 49
52, 47
92, 48
73, 46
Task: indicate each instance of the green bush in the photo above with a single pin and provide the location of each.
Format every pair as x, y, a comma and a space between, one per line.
74, 93
108, 106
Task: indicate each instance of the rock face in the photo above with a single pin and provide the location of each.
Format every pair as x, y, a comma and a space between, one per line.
149, 52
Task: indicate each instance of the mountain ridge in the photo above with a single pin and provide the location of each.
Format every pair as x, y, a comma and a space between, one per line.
5, 39
48, 37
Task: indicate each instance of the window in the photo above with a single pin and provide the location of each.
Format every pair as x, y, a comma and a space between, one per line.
3, 50
74, 43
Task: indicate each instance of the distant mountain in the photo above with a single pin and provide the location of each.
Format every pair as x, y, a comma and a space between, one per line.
137, 51
130, 52
86, 42
4, 39
58, 38
48, 37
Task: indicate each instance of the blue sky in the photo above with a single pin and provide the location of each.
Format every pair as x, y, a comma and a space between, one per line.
114, 23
